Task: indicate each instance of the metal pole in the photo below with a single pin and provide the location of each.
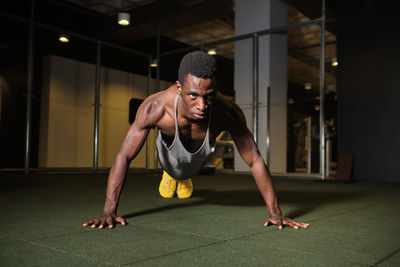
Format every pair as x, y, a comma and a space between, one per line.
29, 92
157, 90
328, 145
268, 159
148, 93
158, 60
255, 87
322, 94
97, 108
309, 144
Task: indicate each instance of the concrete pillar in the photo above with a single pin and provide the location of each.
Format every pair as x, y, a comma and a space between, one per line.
261, 15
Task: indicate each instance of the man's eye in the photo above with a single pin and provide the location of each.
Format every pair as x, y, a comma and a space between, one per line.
192, 96
209, 97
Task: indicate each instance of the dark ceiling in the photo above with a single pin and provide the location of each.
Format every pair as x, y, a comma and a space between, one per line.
181, 24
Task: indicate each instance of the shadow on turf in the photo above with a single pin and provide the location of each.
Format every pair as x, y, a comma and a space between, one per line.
306, 201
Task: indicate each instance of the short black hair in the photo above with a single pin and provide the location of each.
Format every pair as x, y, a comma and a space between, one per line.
199, 64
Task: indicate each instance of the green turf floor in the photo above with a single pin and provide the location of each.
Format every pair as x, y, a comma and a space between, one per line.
352, 224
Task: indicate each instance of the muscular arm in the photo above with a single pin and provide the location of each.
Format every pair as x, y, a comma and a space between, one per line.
147, 116
248, 150
131, 146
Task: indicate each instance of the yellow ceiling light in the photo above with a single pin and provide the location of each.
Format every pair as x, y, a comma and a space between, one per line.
291, 101
307, 86
153, 63
316, 107
63, 38
334, 62
212, 51
124, 18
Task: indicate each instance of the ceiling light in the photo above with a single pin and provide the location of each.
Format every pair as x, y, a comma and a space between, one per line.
334, 62
291, 101
212, 51
124, 19
307, 86
316, 107
63, 38
153, 63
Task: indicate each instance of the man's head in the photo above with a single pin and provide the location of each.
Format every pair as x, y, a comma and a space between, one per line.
199, 64
196, 84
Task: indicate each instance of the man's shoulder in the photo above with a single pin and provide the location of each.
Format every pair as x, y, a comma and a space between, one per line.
155, 106
226, 109
225, 104
161, 99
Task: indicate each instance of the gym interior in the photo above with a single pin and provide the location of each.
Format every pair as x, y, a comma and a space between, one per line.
315, 80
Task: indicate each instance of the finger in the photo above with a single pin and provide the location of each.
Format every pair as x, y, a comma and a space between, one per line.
103, 223
298, 224
120, 220
266, 223
302, 225
280, 225
305, 225
95, 223
88, 223
110, 222
291, 224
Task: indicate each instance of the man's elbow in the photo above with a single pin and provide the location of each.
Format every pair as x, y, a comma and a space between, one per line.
256, 160
123, 156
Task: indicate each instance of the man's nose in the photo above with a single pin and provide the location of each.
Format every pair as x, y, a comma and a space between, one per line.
201, 105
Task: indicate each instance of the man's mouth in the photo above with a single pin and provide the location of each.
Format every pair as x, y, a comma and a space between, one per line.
199, 116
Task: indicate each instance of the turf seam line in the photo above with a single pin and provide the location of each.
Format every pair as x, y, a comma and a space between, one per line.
60, 250
310, 254
197, 235
202, 246
296, 251
91, 230
173, 231
195, 215
386, 257
175, 252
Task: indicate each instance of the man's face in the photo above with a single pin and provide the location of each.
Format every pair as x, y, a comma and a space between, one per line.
197, 95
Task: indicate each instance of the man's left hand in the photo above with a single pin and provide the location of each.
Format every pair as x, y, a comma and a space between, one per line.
281, 221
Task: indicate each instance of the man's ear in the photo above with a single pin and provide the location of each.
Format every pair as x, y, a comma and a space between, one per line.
178, 87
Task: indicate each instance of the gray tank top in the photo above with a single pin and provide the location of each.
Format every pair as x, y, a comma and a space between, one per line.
176, 160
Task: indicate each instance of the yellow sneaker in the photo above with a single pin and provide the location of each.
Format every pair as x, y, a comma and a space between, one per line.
185, 188
167, 186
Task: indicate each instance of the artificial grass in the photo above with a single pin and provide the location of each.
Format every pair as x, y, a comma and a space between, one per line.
222, 224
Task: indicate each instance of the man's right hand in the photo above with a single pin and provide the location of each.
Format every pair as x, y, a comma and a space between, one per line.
103, 221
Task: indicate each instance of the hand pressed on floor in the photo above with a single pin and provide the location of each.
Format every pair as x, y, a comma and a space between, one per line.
281, 221
104, 220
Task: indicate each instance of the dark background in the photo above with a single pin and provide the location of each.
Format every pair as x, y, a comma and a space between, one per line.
368, 112
368, 87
